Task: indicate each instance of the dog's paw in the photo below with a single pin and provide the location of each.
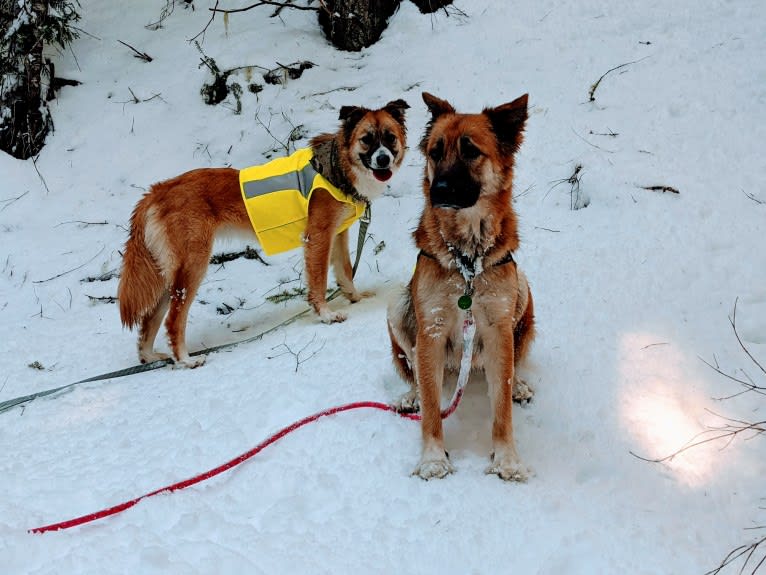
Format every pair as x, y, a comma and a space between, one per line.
522, 391
152, 356
190, 362
327, 316
408, 402
434, 468
509, 469
357, 296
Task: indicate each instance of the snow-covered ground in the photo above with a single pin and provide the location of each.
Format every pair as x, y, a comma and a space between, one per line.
632, 293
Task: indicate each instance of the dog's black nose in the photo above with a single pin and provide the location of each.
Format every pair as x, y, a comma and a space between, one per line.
451, 191
382, 160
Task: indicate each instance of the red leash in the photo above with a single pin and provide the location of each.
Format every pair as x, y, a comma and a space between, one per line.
240, 459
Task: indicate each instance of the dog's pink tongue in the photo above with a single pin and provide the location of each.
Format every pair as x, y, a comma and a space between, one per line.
382, 175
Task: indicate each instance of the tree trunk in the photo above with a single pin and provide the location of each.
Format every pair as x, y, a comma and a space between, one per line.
24, 116
355, 24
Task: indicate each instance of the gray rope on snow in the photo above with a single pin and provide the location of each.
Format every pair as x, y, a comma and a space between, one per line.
11, 403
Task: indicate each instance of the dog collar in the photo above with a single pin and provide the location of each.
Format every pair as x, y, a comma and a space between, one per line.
469, 269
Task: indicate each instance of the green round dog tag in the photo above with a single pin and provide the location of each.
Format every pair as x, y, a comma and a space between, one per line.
464, 301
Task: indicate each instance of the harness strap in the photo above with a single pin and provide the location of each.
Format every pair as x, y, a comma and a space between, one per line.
506, 259
364, 223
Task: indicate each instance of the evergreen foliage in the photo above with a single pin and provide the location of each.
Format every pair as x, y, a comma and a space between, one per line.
26, 26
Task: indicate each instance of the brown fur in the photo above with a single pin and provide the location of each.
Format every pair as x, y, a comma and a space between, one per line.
468, 212
174, 225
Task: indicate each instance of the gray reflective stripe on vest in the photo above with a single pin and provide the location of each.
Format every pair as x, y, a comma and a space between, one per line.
300, 180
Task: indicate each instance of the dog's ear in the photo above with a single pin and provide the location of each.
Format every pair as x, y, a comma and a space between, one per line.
350, 116
437, 106
508, 122
396, 108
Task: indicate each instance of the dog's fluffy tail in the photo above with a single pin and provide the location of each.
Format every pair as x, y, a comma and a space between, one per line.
141, 283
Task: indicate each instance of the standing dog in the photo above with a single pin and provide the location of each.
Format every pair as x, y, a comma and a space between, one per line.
467, 235
318, 193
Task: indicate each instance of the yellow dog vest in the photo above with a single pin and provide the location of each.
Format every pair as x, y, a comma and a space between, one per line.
277, 197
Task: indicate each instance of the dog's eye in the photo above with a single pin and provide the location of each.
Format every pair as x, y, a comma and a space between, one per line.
367, 139
468, 150
436, 152
389, 139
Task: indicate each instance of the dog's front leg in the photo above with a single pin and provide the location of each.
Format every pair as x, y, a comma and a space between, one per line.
344, 273
430, 356
500, 377
325, 214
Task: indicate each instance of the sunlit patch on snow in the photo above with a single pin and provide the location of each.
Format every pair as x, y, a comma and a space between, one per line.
661, 409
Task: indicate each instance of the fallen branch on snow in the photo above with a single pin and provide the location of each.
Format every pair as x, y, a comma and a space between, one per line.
594, 87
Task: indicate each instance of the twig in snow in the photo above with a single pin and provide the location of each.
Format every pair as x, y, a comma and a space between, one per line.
82, 223
746, 551
209, 22
284, 145
104, 277
341, 89
284, 72
297, 355
137, 100
662, 189
34, 163
749, 385
576, 202
611, 133
8, 201
267, 3
728, 431
733, 322
166, 11
591, 144
73, 269
137, 54
287, 295
101, 299
594, 87
226, 309
248, 253
752, 197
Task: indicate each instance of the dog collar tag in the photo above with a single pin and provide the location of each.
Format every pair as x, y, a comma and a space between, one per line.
464, 301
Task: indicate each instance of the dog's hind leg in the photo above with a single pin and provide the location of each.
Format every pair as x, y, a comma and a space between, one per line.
147, 333
523, 334
402, 352
186, 282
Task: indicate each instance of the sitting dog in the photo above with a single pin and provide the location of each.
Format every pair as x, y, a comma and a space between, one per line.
309, 198
467, 235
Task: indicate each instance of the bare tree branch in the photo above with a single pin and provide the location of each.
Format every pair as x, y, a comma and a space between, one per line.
748, 552
265, 3
137, 54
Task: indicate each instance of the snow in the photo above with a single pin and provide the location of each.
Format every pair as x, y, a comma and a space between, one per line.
631, 293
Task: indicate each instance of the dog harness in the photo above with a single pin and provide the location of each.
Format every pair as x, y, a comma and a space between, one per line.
277, 195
